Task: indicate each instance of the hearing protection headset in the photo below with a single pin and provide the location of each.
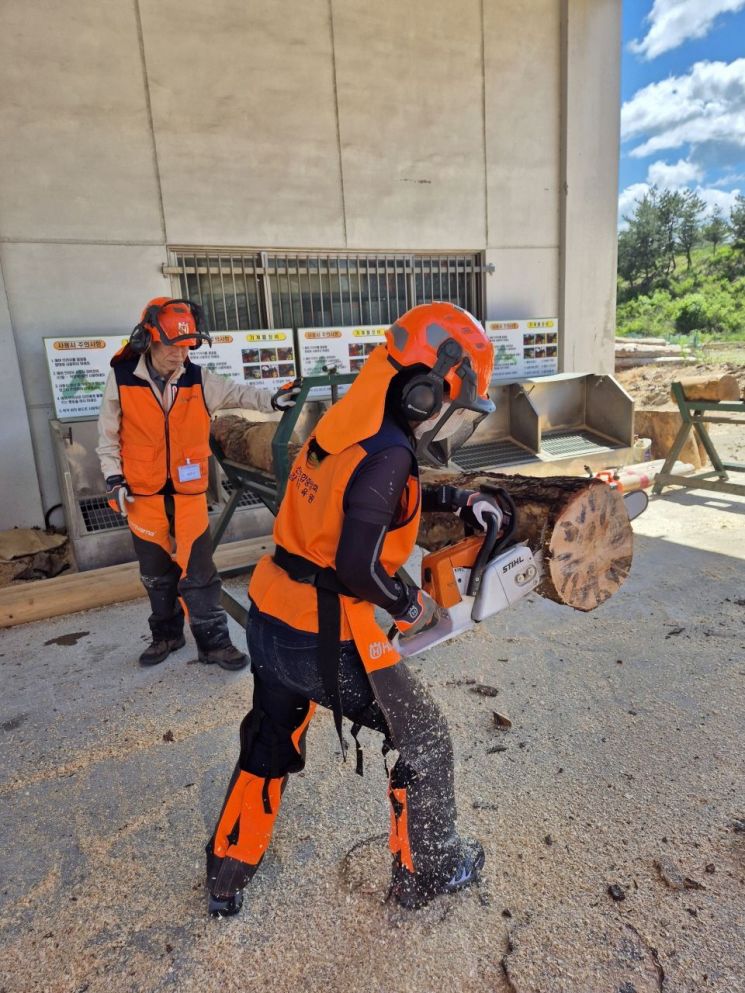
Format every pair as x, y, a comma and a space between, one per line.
139, 340
423, 395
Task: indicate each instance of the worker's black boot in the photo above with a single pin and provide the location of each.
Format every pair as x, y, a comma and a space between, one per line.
414, 890
160, 649
226, 656
228, 907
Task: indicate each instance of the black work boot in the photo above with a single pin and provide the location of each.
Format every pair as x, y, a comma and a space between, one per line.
226, 656
413, 891
160, 649
226, 878
224, 907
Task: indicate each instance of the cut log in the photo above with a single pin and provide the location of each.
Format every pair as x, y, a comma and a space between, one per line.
662, 426
711, 388
249, 442
579, 524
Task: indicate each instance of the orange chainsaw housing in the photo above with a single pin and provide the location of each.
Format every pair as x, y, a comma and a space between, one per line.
438, 575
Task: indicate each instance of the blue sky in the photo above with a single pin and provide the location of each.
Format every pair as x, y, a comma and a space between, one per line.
683, 94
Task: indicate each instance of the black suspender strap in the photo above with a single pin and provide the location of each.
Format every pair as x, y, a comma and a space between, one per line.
328, 590
329, 620
355, 730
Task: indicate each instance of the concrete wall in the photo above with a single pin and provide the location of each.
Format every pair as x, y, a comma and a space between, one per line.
589, 168
128, 127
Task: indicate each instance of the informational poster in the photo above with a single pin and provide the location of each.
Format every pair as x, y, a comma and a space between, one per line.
263, 358
78, 367
524, 349
343, 349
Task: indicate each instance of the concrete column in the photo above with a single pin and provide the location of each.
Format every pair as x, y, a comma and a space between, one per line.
591, 73
20, 502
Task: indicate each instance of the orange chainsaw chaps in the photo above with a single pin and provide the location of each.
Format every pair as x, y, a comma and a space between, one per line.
438, 576
245, 827
398, 838
298, 735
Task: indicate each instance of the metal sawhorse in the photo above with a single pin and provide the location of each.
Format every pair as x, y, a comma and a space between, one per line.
694, 414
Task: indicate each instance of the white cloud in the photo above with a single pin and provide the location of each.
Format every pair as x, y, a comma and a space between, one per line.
678, 174
704, 107
729, 179
626, 200
671, 22
717, 198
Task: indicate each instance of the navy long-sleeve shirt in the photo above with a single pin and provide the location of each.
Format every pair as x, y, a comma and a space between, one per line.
372, 506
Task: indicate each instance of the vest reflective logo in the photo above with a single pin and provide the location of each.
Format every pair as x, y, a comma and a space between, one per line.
136, 527
377, 649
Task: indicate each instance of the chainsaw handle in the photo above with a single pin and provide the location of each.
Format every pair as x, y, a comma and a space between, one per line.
485, 554
492, 542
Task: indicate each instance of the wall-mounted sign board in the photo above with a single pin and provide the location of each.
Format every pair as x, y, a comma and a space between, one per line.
78, 367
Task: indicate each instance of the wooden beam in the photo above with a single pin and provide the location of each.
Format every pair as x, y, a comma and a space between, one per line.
67, 594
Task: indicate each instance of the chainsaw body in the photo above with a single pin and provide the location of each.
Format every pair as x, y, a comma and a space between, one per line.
470, 581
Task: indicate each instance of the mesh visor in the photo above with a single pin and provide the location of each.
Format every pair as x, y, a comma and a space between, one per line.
451, 431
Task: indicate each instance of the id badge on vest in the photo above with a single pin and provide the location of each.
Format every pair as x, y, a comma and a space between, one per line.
189, 471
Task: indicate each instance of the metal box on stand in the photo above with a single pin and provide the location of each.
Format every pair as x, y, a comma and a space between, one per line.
98, 535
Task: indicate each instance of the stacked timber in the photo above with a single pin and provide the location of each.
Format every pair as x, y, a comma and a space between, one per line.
249, 442
579, 525
632, 352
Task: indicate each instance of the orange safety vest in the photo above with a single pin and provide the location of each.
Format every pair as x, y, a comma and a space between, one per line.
309, 525
159, 445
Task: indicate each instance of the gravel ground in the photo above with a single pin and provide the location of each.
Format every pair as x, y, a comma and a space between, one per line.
623, 768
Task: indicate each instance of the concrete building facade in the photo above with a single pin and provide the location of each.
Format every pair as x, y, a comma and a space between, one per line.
129, 127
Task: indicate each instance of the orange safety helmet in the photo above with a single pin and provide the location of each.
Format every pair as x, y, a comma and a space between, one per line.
172, 322
442, 360
418, 337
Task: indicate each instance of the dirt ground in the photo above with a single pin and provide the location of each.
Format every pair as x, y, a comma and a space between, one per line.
612, 812
649, 385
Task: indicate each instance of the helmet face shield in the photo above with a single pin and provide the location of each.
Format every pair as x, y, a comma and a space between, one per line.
176, 322
443, 434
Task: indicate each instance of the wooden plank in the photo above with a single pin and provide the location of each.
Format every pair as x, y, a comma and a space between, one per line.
100, 587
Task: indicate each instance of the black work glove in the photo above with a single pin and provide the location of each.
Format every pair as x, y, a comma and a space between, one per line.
479, 504
421, 613
118, 494
285, 396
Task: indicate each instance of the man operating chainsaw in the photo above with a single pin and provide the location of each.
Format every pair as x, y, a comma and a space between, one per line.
347, 523
154, 444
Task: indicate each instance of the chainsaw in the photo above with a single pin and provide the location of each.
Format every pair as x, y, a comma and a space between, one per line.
480, 576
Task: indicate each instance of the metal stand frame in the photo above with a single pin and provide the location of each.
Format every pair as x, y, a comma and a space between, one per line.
693, 413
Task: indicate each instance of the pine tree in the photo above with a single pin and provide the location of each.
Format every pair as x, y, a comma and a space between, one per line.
737, 220
688, 228
716, 230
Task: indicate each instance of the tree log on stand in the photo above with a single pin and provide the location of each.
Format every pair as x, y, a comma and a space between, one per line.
579, 524
249, 442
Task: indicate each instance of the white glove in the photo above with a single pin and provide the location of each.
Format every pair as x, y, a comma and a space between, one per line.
118, 493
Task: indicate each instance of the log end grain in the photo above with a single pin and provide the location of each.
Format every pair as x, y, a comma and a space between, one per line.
590, 548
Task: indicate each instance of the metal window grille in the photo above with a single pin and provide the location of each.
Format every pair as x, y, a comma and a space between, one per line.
243, 290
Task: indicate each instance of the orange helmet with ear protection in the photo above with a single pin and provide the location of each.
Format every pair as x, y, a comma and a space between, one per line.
415, 339
171, 322
443, 397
